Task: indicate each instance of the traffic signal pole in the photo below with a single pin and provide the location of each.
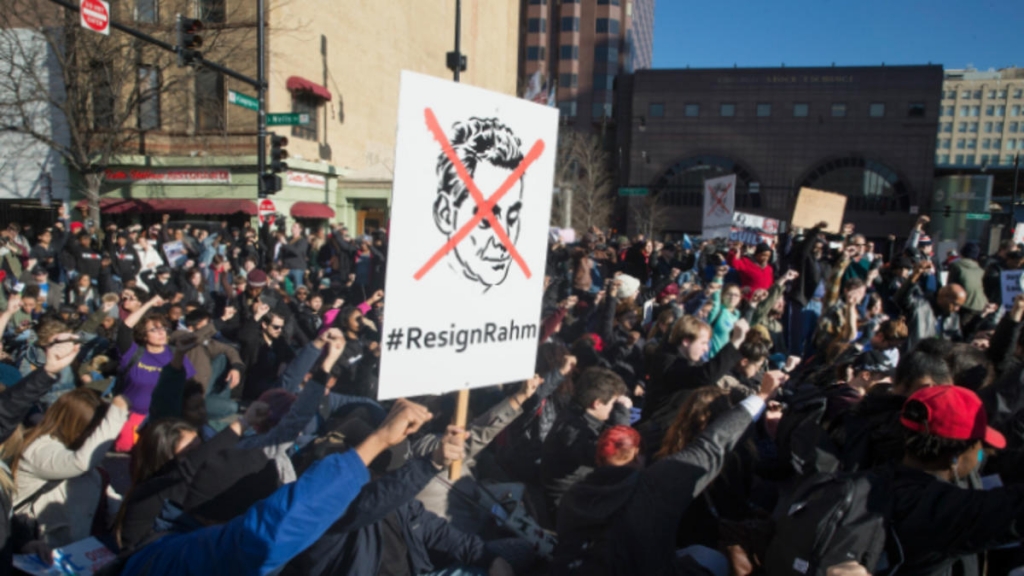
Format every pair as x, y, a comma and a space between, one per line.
261, 95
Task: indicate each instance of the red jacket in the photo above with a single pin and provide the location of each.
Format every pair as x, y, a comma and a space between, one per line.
751, 275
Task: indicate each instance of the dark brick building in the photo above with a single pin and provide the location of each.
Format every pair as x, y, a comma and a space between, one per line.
867, 132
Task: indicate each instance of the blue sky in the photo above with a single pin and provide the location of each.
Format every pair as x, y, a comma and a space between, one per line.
748, 33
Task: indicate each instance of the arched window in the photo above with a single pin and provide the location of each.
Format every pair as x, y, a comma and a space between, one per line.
869, 184
683, 183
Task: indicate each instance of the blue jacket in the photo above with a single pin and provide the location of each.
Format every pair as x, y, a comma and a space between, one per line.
269, 534
353, 544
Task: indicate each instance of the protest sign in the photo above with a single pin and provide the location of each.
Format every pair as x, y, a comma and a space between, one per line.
752, 229
814, 206
1010, 282
82, 558
470, 216
719, 203
175, 252
1018, 234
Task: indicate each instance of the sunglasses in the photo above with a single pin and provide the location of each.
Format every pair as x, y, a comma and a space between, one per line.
276, 326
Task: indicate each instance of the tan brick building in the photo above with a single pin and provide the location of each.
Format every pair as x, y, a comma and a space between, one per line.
342, 66
981, 122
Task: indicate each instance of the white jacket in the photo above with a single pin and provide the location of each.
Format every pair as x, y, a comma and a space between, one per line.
65, 513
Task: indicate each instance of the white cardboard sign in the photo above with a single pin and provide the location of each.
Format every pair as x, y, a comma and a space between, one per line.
1011, 286
719, 204
469, 226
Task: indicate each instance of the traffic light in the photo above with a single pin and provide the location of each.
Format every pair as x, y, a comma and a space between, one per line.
271, 183
278, 154
948, 211
187, 30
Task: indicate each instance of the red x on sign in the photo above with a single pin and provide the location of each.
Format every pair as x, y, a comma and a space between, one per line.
484, 206
718, 196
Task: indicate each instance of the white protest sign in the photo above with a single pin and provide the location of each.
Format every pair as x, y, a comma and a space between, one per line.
1011, 287
1018, 234
469, 227
175, 252
719, 203
83, 558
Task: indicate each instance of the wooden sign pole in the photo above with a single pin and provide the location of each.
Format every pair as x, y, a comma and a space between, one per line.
461, 413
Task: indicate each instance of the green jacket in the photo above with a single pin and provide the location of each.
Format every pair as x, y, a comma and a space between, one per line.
969, 274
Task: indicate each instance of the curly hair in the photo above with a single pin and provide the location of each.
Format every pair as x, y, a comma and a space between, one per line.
476, 140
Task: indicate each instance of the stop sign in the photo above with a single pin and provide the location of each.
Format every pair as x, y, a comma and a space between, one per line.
266, 211
95, 16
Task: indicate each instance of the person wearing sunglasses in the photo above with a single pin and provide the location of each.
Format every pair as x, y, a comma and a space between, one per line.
264, 352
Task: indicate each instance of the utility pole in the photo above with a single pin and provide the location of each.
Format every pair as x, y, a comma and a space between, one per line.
1016, 173
261, 95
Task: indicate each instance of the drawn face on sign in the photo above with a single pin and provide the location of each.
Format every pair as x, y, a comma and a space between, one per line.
490, 153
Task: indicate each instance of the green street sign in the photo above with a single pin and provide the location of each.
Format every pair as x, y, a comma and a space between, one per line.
287, 119
633, 191
971, 216
239, 99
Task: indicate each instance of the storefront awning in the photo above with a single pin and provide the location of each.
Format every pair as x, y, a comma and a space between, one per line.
300, 84
311, 210
221, 206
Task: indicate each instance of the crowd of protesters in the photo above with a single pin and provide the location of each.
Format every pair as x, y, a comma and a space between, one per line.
823, 404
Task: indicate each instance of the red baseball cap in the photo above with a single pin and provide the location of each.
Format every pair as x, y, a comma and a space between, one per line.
950, 412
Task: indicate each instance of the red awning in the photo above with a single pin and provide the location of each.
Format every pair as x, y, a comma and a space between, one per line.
172, 206
311, 210
300, 84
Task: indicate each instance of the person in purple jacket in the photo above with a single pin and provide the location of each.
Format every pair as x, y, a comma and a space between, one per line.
142, 342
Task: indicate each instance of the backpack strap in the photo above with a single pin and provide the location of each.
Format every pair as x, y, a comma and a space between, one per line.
48, 487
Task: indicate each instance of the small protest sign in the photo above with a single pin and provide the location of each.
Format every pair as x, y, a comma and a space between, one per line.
815, 206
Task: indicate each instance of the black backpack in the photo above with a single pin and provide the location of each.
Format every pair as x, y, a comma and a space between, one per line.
829, 519
804, 441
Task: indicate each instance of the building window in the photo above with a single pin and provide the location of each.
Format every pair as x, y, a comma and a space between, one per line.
999, 127
764, 110
306, 103
568, 80
969, 160
607, 26
945, 143
1013, 127
988, 127
801, 109
966, 94
534, 53
1015, 110
960, 143
1011, 143
604, 82
1018, 93
569, 52
1000, 111
991, 94
727, 110
990, 110
1002, 94
567, 109
951, 94
210, 100
986, 144
606, 54
839, 110
976, 95
535, 25
975, 111
103, 98
1008, 159
149, 98
973, 128
692, 110
965, 110
146, 11
947, 126
602, 110
959, 160
656, 109
876, 109
944, 159
948, 110
915, 110
570, 24
972, 144
997, 143
211, 11
962, 127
